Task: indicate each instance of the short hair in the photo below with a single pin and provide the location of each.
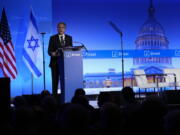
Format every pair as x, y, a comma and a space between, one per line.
128, 93
79, 92
62, 23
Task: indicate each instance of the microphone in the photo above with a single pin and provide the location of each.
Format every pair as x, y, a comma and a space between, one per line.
83, 46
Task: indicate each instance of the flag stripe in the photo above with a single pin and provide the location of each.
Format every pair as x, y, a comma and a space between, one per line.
31, 64
1, 55
8, 56
8, 68
33, 21
6, 73
8, 59
11, 50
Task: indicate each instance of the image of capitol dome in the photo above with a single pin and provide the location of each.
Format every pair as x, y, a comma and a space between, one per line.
152, 36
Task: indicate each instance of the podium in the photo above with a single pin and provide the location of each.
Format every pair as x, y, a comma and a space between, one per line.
71, 72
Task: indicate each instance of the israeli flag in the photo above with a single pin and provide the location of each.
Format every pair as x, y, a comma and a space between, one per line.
32, 52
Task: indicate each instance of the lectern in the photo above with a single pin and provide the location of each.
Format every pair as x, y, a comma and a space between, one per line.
71, 72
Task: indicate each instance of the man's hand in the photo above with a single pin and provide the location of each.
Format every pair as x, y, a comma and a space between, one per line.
54, 53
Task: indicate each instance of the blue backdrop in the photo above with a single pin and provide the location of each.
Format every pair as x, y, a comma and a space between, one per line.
87, 21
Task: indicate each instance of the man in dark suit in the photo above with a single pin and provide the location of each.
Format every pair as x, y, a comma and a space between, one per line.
56, 44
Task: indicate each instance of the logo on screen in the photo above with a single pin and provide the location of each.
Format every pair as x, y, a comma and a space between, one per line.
115, 54
177, 52
147, 53
68, 54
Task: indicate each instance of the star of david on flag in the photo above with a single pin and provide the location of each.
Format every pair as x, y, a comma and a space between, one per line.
32, 43
32, 52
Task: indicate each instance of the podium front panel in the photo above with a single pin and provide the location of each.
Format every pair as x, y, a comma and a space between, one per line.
73, 73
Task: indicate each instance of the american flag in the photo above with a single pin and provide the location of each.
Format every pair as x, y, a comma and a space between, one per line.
7, 54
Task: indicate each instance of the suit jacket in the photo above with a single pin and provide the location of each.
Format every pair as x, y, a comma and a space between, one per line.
54, 44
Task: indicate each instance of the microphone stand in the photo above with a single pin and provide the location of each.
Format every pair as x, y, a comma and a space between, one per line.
122, 49
122, 58
84, 47
44, 71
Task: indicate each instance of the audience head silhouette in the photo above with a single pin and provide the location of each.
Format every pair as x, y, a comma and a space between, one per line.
104, 97
80, 92
128, 94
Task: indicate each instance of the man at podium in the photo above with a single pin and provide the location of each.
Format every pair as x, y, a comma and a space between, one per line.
55, 50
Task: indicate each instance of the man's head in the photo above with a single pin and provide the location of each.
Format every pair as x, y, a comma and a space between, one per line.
61, 28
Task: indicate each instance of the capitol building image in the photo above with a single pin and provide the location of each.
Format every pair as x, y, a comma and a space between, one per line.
152, 36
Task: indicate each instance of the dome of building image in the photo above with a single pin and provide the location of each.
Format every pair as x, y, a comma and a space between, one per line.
151, 36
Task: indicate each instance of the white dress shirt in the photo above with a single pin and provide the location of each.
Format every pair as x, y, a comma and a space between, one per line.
63, 37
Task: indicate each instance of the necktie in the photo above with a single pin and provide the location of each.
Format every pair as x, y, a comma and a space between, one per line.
62, 41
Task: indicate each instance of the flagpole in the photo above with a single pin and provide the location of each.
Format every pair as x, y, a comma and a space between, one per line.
32, 84
44, 71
